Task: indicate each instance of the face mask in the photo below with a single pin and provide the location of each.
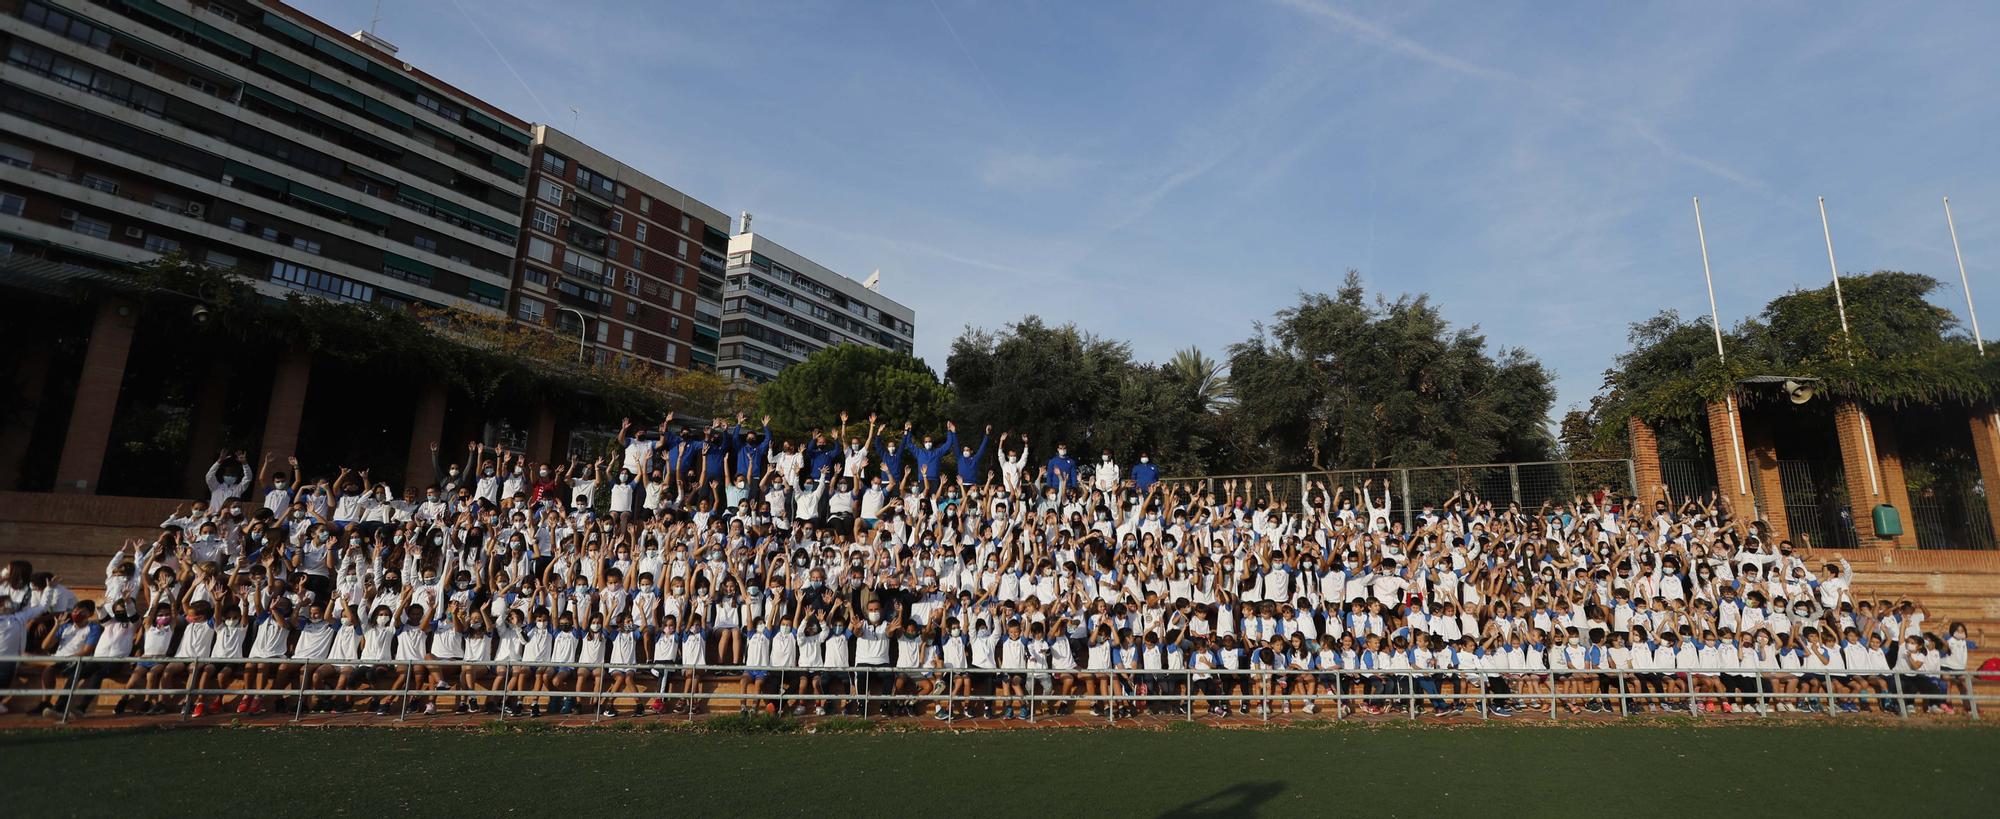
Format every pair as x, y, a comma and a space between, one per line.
874, 617
382, 620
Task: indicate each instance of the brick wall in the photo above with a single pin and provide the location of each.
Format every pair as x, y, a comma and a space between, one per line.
1761, 448
73, 535
1986, 450
1724, 433
1870, 483
1645, 447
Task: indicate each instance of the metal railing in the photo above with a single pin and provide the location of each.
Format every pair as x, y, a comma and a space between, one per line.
1528, 483
1031, 693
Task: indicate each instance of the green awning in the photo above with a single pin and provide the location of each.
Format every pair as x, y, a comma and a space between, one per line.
372, 176
269, 98
288, 28
167, 16
284, 68
259, 176
224, 40
507, 229
386, 113
327, 47
333, 88
408, 264
320, 197
479, 288
394, 78
414, 195
508, 168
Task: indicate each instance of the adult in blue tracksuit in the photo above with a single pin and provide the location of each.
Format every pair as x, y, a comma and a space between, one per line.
684, 453
1144, 473
930, 456
891, 454
821, 455
715, 449
753, 452
1062, 467
969, 458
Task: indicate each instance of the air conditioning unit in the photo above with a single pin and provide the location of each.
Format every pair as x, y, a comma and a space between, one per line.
68, 215
135, 233
196, 209
565, 221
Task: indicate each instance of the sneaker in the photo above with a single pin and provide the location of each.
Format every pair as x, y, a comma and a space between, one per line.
1503, 712
608, 712
430, 709
199, 709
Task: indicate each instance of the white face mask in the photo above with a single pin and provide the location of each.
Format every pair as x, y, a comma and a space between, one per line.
874, 617
382, 620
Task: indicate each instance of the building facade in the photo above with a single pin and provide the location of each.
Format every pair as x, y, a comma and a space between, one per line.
246, 135
613, 257
779, 307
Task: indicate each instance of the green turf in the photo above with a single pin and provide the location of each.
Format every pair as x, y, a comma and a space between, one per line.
1619, 771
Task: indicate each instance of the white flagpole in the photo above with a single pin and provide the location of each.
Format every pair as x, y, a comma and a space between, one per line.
1867, 436
1977, 339
1715, 319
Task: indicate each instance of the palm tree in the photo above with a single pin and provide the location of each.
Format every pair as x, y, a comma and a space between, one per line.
1192, 367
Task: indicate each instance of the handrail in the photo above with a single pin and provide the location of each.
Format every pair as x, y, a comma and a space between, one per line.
1267, 688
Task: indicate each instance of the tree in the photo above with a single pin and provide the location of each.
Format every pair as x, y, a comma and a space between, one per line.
1203, 374
858, 380
1063, 385
1337, 383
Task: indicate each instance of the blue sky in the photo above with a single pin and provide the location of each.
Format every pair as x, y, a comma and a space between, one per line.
1171, 173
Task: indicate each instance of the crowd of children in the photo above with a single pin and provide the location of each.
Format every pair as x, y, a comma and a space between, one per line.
939, 579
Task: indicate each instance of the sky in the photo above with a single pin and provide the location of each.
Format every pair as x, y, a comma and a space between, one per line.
1171, 173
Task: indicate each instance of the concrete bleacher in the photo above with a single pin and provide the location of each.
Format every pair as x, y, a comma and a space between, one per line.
73, 535
1953, 585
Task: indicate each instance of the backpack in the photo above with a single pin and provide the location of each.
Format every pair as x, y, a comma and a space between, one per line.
1989, 671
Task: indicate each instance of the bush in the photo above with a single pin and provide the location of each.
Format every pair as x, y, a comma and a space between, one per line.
750, 722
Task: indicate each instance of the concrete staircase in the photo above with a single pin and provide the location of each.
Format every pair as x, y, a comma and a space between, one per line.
1961, 586
74, 535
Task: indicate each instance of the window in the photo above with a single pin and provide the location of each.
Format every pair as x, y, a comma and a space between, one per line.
681, 249
219, 260
544, 221
594, 182
673, 351
631, 309
67, 26
99, 183
320, 283
686, 225
161, 244
16, 155
617, 221
541, 250
530, 309
137, 59
554, 163
306, 245
627, 341
639, 231
534, 277
91, 227
603, 332
422, 242
674, 323
631, 282
11, 205
611, 248
204, 86
638, 256
550, 192
645, 205
677, 299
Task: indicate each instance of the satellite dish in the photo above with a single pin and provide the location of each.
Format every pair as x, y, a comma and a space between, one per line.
874, 280
1797, 392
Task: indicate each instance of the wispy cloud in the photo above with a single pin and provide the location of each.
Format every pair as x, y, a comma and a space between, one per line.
1023, 172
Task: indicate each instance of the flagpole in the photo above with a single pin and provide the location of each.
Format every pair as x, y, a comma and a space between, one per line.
1977, 340
1992, 421
1867, 436
1715, 321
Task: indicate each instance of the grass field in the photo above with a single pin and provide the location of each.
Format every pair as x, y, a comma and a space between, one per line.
1816, 770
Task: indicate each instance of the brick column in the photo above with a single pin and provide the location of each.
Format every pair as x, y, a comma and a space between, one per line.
1645, 448
541, 436
1886, 486
96, 397
425, 431
288, 405
1732, 466
17, 429
205, 429
1762, 448
1986, 450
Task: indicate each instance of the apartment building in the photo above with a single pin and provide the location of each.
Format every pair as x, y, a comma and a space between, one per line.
779, 307
614, 258
247, 135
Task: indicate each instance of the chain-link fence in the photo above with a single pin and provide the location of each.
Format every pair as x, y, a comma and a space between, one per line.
1528, 484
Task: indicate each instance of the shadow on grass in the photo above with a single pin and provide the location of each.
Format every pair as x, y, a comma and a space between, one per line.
1241, 799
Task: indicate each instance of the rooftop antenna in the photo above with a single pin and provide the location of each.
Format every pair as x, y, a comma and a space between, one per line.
746, 222
376, 21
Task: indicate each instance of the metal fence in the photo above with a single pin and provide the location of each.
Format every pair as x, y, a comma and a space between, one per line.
1815, 495
1952, 516
1034, 694
1685, 479
1528, 484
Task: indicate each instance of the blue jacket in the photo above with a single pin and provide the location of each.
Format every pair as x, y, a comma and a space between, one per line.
1063, 466
930, 461
752, 458
968, 468
1144, 475
820, 459
892, 459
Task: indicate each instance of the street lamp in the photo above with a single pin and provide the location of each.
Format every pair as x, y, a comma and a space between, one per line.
582, 330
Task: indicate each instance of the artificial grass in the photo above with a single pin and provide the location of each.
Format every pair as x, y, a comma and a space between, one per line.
1624, 770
